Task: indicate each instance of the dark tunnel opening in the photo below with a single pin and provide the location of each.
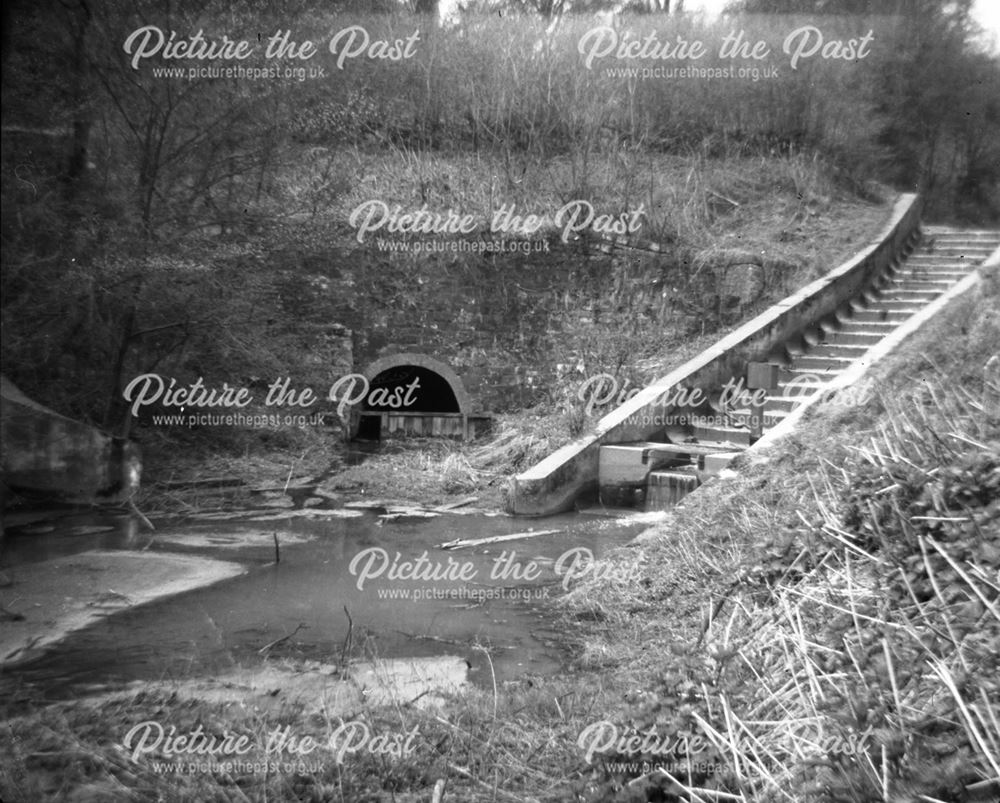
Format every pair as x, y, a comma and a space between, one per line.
410, 388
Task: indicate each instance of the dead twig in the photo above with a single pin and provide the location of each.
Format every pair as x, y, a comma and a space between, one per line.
347, 639
277, 641
140, 514
459, 543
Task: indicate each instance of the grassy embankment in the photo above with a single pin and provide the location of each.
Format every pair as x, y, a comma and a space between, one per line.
827, 622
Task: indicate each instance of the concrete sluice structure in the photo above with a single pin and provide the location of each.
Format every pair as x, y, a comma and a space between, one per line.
756, 383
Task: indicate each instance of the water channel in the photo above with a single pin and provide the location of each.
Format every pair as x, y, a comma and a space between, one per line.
383, 588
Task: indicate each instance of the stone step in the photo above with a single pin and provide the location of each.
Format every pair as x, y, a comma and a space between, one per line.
941, 243
904, 300
913, 284
872, 322
868, 321
932, 230
908, 294
821, 364
921, 281
849, 350
952, 273
941, 262
959, 237
891, 304
965, 256
856, 337
977, 239
947, 244
952, 243
917, 270
887, 317
966, 259
972, 244
937, 240
926, 280
946, 278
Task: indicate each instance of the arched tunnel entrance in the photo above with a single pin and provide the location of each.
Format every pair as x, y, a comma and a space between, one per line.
413, 394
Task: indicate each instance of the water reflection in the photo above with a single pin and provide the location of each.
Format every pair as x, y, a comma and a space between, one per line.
313, 595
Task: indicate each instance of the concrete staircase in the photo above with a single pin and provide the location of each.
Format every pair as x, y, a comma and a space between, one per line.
655, 474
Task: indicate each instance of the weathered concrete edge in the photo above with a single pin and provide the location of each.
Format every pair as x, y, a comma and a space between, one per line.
552, 485
45, 452
857, 370
760, 452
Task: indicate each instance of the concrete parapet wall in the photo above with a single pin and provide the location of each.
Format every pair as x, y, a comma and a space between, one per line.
47, 454
554, 484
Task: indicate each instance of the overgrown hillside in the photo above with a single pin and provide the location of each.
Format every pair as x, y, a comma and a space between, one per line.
201, 228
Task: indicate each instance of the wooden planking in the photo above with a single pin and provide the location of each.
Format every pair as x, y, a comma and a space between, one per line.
448, 425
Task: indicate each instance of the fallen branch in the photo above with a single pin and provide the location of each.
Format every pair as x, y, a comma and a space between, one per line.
278, 641
452, 505
264, 489
438, 639
721, 197
461, 543
140, 514
210, 482
348, 639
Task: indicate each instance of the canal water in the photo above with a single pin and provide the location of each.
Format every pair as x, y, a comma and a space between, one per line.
347, 581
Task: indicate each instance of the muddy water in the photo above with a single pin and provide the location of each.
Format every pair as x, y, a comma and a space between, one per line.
371, 587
